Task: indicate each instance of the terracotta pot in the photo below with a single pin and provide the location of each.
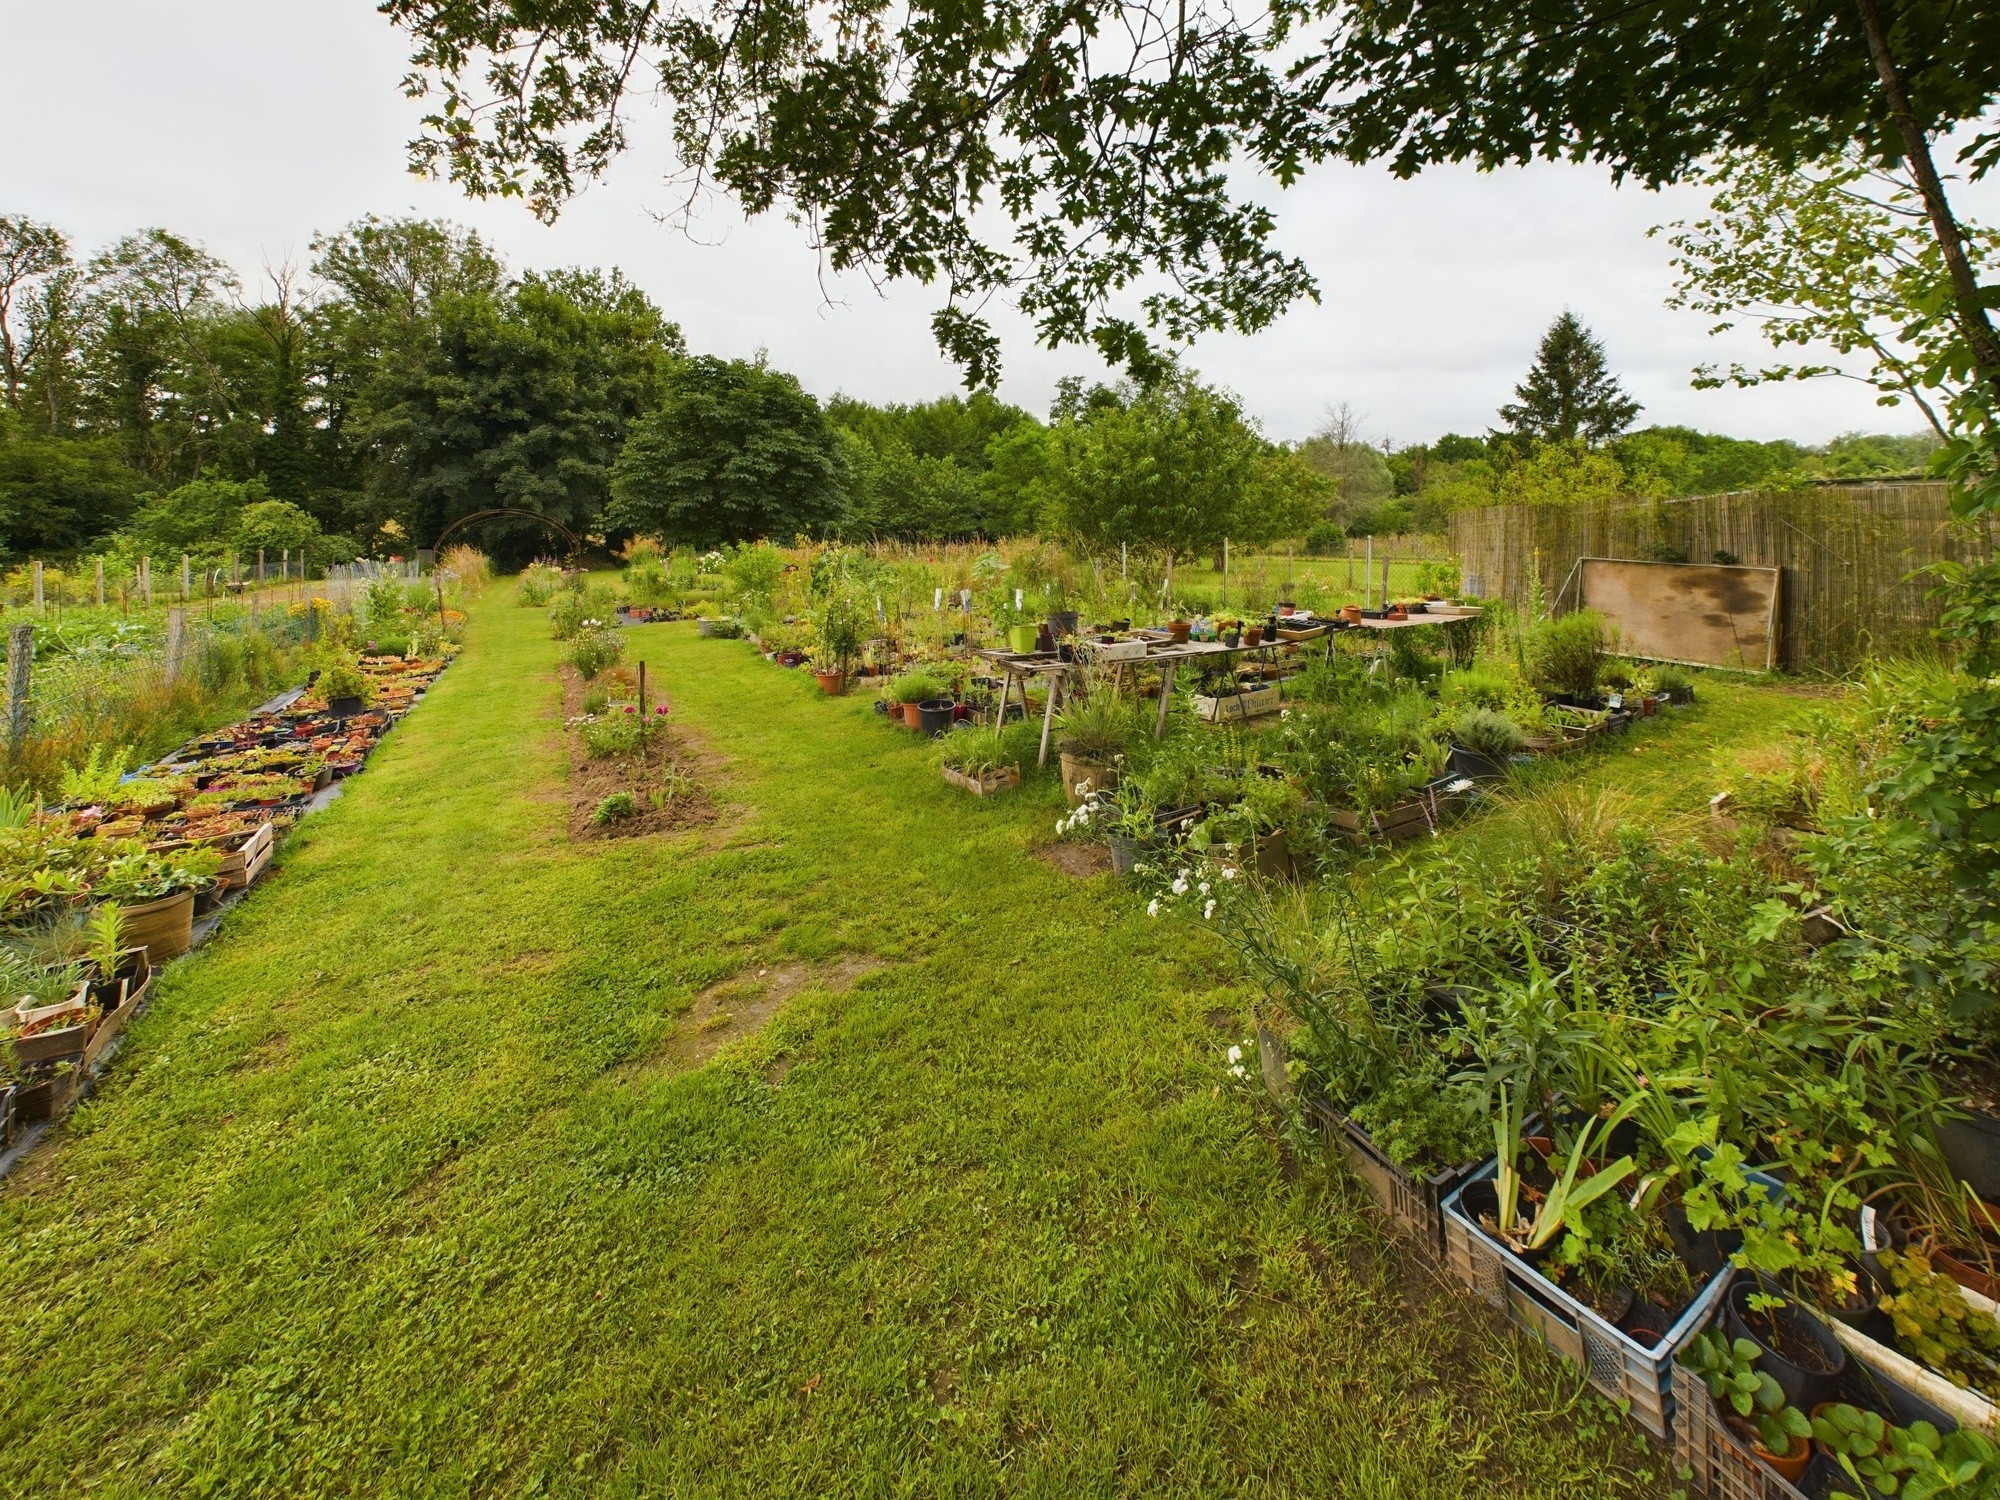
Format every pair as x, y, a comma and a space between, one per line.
1351, 613
833, 684
1253, 635
164, 928
1178, 629
913, 716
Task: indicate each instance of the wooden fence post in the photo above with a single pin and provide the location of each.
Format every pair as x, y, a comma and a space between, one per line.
1225, 572
146, 579
20, 665
100, 583
187, 591
176, 641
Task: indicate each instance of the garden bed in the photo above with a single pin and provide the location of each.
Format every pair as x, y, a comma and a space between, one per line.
659, 778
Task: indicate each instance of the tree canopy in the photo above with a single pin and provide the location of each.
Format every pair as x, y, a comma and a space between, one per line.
1107, 129
734, 451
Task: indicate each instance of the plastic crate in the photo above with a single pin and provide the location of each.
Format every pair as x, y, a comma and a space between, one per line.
1717, 1464
1416, 1203
1617, 1365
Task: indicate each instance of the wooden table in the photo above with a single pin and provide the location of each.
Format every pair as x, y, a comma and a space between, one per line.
1165, 655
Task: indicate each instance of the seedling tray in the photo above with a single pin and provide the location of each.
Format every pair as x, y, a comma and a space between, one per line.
1617, 1365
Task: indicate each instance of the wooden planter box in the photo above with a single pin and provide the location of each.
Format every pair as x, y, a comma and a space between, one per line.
135, 988
53, 1041
1421, 815
986, 783
1249, 703
164, 928
44, 1098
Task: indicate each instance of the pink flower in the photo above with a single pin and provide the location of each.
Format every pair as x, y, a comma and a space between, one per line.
630, 709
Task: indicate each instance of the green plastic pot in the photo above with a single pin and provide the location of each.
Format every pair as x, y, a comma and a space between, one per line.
1021, 638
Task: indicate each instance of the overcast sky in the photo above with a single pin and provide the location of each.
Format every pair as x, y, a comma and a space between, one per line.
248, 124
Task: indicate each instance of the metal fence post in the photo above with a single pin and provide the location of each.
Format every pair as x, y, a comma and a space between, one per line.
20, 665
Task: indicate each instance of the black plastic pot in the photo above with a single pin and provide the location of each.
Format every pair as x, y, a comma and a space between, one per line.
1804, 1387
1127, 852
1062, 622
1971, 1149
935, 715
1472, 763
345, 708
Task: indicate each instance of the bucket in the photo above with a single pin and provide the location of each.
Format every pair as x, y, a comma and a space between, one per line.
936, 715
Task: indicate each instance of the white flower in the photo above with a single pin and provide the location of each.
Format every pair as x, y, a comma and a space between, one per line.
1237, 1072
1153, 907
1229, 872
1180, 885
1235, 1053
1204, 887
1208, 910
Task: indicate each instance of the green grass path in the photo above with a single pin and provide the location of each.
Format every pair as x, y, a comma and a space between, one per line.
398, 1189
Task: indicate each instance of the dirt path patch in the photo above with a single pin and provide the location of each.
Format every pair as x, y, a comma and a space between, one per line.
666, 779
741, 1004
1079, 860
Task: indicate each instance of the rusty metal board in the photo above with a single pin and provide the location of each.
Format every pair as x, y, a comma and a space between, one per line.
1703, 614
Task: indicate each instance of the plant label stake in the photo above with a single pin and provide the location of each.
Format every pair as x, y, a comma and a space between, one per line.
937, 598
642, 696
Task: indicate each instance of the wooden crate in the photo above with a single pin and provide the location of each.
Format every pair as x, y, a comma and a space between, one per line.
986, 783
1250, 703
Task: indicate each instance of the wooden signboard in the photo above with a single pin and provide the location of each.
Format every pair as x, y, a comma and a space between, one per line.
1703, 614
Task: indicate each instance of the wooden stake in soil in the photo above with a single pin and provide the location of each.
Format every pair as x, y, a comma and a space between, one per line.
642, 696
100, 583
38, 585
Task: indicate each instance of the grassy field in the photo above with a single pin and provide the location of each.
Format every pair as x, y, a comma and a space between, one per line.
456, 1166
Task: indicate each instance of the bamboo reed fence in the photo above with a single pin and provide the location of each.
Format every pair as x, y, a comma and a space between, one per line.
1851, 556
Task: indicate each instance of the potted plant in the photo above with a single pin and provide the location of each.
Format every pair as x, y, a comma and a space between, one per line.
907, 692
1778, 1432
839, 640
1673, 684
346, 688
1482, 739
155, 895
1091, 735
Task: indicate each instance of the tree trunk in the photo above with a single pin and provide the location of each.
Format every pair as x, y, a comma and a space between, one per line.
1970, 311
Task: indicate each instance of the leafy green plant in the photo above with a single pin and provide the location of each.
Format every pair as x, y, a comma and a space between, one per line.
615, 808
1617, 676
975, 749
17, 806
1861, 1443
1566, 653
1729, 1371
1673, 681
107, 939
595, 700
622, 731
141, 876
97, 779
1935, 1324
838, 639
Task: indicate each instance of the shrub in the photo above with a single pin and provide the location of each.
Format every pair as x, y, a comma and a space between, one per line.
1325, 539
839, 639
567, 612
1566, 653
593, 650
1617, 676
595, 701
340, 678
1675, 683
1477, 687
615, 808
1489, 733
538, 586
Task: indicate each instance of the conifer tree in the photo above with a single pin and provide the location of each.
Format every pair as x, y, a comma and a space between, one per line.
1570, 393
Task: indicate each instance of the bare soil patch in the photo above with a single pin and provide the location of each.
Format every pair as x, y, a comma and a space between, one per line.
666, 779
741, 1004
1079, 860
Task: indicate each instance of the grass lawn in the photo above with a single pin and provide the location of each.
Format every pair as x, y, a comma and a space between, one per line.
412, 1184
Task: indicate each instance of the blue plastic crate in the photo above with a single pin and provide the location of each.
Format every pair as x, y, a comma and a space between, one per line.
1617, 1365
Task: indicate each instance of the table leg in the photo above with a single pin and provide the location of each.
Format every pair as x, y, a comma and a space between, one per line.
1166, 697
1000, 713
1048, 717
